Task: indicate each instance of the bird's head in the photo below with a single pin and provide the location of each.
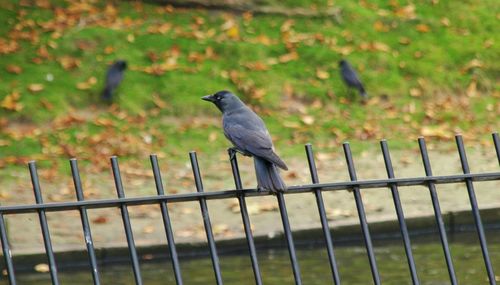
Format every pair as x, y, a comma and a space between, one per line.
121, 64
342, 62
224, 100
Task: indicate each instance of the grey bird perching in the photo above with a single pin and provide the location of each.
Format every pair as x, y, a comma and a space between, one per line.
249, 135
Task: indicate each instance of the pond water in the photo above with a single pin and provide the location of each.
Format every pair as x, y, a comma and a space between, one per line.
313, 260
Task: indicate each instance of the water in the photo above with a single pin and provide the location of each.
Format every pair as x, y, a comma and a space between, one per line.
275, 266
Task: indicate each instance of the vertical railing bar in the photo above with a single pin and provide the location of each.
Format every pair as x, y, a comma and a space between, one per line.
322, 214
75, 173
166, 220
206, 218
437, 211
496, 141
289, 238
126, 221
35, 181
7, 254
399, 212
362, 216
475, 209
244, 216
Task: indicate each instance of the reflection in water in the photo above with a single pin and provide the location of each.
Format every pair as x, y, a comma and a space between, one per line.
275, 266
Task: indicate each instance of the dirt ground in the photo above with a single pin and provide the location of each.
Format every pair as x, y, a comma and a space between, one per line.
107, 226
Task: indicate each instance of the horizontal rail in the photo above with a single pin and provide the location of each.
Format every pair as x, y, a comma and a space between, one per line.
185, 197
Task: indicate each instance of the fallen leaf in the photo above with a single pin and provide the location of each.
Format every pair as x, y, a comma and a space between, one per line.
257, 66
159, 102
445, 22
322, 74
68, 62
423, 28
159, 29
10, 102
475, 63
109, 49
415, 92
35, 87
130, 38
100, 220
406, 12
404, 41
42, 267
15, 69
472, 89
258, 208
380, 27
212, 136
148, 229
233, 32
46, 104
289, 57
440, 131
307, 119
87, 84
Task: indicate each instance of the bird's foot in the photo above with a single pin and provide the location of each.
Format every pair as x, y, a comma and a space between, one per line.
233, 150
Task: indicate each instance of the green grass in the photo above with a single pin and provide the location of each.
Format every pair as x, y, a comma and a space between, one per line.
389, 71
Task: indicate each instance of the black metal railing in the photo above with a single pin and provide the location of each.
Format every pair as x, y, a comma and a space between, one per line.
316, 188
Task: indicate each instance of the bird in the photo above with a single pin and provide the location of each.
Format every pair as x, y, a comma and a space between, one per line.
351, 78
250, 137
113, 78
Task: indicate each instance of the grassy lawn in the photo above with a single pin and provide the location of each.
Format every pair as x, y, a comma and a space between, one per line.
429, 69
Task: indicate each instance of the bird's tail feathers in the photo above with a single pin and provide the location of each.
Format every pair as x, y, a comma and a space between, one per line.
268, 176
363, 92
107, 93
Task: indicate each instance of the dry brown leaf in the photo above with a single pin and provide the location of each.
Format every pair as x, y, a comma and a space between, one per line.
15, 69
212, 136
10, 102
68, 62
42, 268
415, 92
87, 84
100, 220
406, 12
159, 29
404, 41
289, 57
440, 131
472, 89
35, 87
423, 28
322, 74
380, 27
307, 119
159, 102
109, 49
257, 66
258, 208
148, 229
445, 22
475, 63
233, 32
130, 38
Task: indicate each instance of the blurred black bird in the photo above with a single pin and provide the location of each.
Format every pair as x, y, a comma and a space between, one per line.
249, 135
351, 79
113, 78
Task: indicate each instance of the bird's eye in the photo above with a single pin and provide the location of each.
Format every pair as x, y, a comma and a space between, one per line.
218, 98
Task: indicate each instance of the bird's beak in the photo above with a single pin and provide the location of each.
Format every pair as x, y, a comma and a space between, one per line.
209, 98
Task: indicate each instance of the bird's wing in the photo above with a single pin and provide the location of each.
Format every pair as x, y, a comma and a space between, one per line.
255, 142
351, 77
114, 77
